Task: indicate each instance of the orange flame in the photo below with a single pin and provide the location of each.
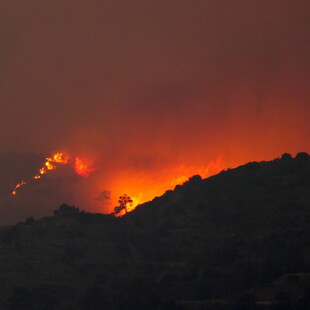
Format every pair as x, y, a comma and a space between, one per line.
81, 167
59, 158
140, 187
51, 163
130, 206
185, 172
50, 166
18, 186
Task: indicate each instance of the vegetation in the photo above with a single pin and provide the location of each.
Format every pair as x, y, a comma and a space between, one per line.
125, 202
237, 240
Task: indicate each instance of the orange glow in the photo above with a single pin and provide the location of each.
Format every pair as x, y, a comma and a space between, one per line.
135, 201
18, 186
53, 162
81, 167
59, 158
50, 162
184, 172
50, 166
142, 187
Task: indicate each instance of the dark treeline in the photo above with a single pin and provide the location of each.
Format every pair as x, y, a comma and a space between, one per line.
237, 240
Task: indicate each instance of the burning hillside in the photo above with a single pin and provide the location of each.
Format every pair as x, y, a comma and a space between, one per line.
74, 180
238, 240
54, 161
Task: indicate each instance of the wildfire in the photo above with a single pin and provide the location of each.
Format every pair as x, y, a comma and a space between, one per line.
184, 172
18, 186
58, 158
127, 204
53, 162
82, 168
142, 187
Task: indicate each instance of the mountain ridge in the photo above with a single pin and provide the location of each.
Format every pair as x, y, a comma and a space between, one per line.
236, 240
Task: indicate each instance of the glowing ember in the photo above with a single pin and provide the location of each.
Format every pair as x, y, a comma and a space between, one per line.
18, 186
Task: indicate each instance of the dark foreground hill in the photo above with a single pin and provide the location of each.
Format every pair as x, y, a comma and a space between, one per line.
237, 240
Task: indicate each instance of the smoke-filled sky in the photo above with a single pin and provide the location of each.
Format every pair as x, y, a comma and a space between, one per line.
145, 88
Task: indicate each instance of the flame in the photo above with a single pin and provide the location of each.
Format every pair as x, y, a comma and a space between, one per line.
53, 161
185, 172
141, 187
136, 200
81, 167
59, 158
49, 166
18, 186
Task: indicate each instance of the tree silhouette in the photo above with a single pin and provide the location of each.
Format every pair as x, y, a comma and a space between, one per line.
124, 202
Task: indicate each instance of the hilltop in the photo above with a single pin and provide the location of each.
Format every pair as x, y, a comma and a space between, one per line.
236, 240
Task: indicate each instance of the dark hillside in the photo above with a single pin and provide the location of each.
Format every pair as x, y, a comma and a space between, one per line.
237, 240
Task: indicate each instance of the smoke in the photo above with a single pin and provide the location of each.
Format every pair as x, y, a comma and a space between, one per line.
140, 88
37, 197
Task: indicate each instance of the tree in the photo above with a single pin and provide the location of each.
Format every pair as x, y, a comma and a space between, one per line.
302, 156
286, 156
65, 209
124, 202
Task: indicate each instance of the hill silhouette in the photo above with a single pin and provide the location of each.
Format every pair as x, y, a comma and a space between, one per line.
237, 240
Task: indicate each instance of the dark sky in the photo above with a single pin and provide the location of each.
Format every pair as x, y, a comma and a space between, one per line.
140, 86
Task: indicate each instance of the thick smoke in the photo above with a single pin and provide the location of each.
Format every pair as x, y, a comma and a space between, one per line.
37, 198
143, 87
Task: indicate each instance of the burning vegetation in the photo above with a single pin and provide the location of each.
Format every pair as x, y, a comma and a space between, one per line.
125, 205
53, 162
139, 185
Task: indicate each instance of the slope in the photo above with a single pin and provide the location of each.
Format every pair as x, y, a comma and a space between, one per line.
237, 239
